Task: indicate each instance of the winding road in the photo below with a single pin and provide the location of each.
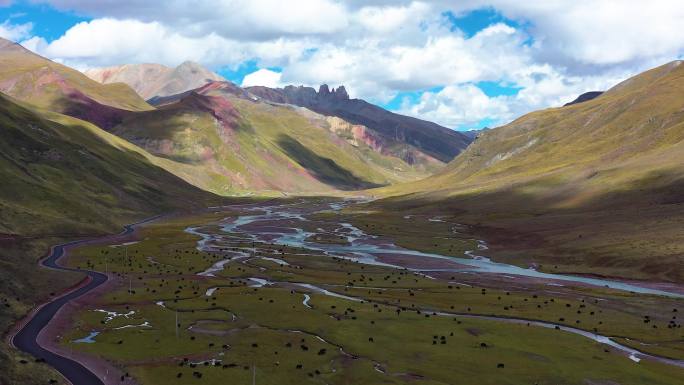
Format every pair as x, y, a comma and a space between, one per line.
27, 338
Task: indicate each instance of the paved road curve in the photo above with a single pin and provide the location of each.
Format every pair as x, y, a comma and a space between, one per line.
26, 338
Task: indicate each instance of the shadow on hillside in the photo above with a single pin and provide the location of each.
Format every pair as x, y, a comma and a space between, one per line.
323, 169
84, 108
630, 230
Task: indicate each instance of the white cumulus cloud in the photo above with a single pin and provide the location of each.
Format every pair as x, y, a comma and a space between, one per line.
15, 32
552, 50
456, 106
263, 77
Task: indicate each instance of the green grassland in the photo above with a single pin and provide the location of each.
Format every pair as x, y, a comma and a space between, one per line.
269, 332
446, 238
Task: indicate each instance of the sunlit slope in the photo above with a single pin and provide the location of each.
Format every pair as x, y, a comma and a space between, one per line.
65, 176
241, 145
593, 185
612, 143
46, 84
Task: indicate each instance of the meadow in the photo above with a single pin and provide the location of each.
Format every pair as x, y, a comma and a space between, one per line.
287, 315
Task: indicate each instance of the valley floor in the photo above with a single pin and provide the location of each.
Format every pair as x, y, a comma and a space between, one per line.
319, 291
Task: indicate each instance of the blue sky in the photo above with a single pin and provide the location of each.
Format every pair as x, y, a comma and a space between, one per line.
46, 20
480, 63
236, 75
468, 24
473, 22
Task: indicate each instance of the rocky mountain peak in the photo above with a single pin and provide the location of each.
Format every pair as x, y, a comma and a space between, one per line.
341, 93
324, 93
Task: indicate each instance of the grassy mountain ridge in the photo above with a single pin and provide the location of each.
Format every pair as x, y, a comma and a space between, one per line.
641, 117
594, 187
241, 144
46, 84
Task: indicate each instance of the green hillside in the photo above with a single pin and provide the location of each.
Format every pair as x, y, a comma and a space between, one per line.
594, 187
231, 143
61, 178
219, 139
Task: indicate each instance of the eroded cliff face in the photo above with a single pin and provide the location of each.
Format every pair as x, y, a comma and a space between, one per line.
359, 135
355, 134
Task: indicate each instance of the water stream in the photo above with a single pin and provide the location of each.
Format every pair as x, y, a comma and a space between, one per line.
365, 248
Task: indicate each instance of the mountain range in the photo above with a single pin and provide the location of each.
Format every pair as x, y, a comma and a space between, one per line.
237, 143
410, 139
225, 139
242, 140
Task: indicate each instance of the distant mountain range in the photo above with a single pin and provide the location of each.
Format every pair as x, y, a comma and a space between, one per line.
400, 136
388, 147
150, 80
410, 139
